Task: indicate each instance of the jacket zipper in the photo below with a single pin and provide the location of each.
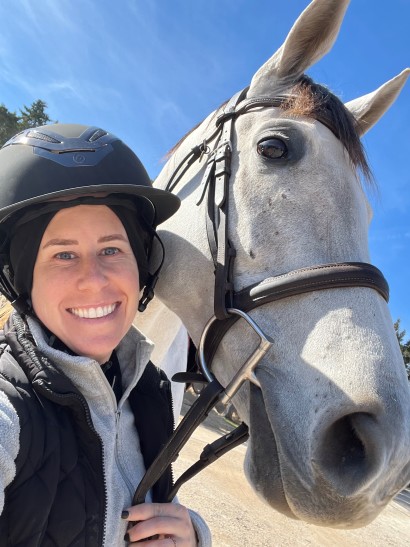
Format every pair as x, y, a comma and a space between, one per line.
117, 456
117, 413
171, 404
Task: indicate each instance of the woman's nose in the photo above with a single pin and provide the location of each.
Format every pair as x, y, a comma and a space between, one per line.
92, 275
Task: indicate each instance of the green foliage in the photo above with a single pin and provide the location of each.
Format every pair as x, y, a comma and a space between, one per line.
404, 346
34, 115
8, 124
30, 116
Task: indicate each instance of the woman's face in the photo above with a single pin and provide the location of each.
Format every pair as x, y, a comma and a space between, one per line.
85, 280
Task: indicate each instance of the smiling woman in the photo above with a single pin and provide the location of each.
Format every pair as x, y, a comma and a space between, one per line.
83, 412
86, 277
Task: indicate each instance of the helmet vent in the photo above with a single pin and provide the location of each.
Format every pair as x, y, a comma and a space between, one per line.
41, 136
97, 135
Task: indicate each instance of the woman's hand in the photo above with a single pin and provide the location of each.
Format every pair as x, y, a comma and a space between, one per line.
166, 524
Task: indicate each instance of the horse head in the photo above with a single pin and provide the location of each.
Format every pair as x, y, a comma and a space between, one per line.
330, 422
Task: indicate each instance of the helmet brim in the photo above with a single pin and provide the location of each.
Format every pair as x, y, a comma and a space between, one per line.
165, 203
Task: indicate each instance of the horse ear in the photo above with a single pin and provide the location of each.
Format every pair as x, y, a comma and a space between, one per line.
370, 108
311, 37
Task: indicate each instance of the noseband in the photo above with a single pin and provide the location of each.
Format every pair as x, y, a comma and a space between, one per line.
231, 305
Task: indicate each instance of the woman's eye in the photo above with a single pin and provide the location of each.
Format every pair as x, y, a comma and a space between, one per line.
272, 149
109, 251
65, 255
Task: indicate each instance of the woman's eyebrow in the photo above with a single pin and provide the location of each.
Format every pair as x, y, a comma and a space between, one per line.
112, 237
58, 241
103, 239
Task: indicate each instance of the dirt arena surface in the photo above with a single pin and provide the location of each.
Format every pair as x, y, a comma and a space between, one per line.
238, 518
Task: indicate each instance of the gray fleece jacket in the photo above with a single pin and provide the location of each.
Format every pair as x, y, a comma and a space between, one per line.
123, 461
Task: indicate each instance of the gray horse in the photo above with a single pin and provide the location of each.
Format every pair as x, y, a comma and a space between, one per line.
330, 420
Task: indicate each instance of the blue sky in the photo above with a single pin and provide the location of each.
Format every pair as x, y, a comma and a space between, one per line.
148, 70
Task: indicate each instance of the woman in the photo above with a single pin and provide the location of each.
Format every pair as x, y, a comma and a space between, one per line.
82, 411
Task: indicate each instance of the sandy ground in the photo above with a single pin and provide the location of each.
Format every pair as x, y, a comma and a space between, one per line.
238, 518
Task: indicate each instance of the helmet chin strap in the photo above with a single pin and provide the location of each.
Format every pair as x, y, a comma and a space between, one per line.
23, 305
148, 293
20, 302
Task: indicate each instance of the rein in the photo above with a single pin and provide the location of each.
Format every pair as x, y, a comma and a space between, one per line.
229, 305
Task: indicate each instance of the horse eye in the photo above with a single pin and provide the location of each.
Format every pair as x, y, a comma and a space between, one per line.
272, 149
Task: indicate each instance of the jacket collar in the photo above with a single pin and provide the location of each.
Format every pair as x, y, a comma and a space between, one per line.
85, 373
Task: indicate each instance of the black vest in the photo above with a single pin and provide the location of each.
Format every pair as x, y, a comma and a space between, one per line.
58, 495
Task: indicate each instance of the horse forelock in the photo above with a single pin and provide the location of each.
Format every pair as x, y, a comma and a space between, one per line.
309, 99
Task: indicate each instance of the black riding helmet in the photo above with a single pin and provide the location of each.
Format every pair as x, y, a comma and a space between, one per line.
63, 160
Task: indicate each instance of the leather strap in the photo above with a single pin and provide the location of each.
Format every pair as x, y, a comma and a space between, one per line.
210, 454
192, 419
219, 188
305, 280
325, 276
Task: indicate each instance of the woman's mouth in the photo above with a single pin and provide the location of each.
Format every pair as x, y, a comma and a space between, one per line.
93, 313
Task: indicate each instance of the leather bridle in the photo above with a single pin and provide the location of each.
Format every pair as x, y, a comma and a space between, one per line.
230, 305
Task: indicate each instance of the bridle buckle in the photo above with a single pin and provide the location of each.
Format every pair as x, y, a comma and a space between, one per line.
247, 370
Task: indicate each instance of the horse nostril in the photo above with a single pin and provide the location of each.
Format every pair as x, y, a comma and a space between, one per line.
346, 455
348, 448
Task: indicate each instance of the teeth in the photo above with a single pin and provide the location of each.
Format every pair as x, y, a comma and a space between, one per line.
93, 313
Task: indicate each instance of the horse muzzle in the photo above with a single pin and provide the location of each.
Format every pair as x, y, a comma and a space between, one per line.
330, 469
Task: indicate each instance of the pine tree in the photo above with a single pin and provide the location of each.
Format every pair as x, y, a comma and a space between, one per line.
30, 116
34, 115
8, 124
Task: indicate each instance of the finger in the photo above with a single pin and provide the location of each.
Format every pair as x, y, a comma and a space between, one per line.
159, 525
146, 511
162, 542
155, 519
